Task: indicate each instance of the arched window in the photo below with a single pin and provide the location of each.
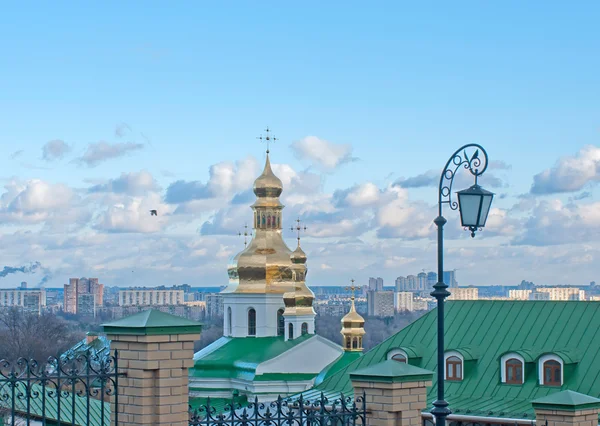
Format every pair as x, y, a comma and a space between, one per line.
552, 373
304, 328
290, 331
268, 221
251, 322
263, 220
355, 343
280, 323
229, 326
454, 370
399, 358
278, 219
348, 343
398, 355
514, 371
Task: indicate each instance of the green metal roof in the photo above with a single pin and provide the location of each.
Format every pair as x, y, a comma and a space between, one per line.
337, 365
51, 406
497, 327
152, 322
391, 371
238, 357
567, 400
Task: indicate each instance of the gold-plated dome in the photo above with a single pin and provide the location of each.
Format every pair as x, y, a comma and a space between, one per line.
267, 185
353, 328
298, 255
265, 265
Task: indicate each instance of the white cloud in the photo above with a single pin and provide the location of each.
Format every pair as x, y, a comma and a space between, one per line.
135, 183
322, 153
99, 152
55, 150
569, 174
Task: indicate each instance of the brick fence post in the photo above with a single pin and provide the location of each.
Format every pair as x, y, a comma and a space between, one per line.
155, 350
395, 392
567, 408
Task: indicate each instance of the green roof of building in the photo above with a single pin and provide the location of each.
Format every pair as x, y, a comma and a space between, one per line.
391, 371
567, 400
51, 406
570, 329
337, 365
238, 357
152, 322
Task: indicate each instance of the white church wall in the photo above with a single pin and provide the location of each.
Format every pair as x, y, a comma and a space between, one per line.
266, 307
297, 321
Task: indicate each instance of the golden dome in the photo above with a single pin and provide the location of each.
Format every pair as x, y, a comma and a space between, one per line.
267, 185
265, 265
353, 330
353, 318
298, 255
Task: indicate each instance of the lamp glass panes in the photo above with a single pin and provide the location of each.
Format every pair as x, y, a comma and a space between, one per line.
474, 204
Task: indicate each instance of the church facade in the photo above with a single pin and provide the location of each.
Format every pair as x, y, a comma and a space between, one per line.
269, 346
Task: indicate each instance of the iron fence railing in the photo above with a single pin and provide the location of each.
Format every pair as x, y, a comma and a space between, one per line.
283, 412
76, 390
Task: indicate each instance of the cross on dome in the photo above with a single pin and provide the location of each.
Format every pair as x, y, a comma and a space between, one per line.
298, 228
351, 288
246, 234
268, 138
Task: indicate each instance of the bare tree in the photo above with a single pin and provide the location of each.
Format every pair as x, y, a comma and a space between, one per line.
34, 336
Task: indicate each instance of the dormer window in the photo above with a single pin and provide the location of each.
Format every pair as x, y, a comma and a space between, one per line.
454, 368
550, 370
512, 368
398, 355
514, 371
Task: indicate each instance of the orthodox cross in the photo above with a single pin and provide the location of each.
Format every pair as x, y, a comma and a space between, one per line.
352, 288
268, 138
298, 229
246, 234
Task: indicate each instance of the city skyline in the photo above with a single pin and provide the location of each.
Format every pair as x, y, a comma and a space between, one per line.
160, 113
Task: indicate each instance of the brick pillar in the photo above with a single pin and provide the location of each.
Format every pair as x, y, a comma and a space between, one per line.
155, 351
395, 393
567, 408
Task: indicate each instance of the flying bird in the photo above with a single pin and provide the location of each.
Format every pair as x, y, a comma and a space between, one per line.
153, 213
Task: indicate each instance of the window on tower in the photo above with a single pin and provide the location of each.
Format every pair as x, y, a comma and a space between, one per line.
280, 323
251, 322
290, 331
304, 328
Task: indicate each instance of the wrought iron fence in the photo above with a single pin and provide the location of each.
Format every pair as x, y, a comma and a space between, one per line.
283, 412
73, 390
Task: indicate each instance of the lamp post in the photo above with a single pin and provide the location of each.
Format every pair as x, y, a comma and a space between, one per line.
474, 205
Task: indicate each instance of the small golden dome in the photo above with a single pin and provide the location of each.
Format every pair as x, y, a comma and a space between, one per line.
298, 255
353, 317
267, 184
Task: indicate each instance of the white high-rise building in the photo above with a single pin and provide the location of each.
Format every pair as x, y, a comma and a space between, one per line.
563, 293
403, 301
519, 294
464, 293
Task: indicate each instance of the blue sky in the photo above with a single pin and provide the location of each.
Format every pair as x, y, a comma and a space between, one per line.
173, 89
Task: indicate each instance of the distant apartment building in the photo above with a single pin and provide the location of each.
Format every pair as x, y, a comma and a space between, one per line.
376, 284
539, 295
450, 279
82, 288
30, 300
403, 301
562, 293
422, 281
519, 294
431, 280
380, 303
87, 304
214, 305
422, 303
150, 297
410, 283
331, 310
464, 293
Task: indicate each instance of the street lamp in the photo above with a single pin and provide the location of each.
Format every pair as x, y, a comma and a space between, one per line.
474, 205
